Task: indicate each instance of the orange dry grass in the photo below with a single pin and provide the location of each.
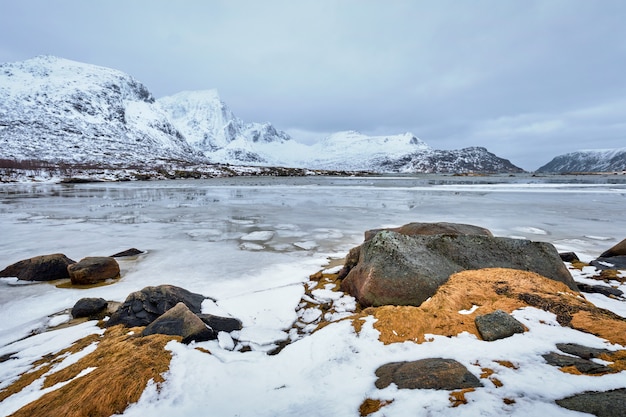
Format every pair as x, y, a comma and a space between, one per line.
43, 365
457, 398
370, 406
493, 289
124, 365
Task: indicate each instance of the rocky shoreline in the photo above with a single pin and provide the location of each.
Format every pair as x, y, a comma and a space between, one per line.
415, 282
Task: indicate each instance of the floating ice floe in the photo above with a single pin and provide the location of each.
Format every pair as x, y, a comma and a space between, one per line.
259, 236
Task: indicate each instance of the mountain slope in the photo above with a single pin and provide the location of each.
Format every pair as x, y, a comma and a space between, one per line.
59, 110
600, 160
466, 160
212, 128
65, 112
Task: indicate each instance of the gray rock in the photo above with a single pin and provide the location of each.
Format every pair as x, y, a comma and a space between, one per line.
497, 325
143, 307
613, 262
601, 404
180, 321
440, 228
569, 257
583, 365
93, 308
92, 270
395, 269
127, 252
437, 373
221, 324
414, 229
600, 289
581, 351
40, 268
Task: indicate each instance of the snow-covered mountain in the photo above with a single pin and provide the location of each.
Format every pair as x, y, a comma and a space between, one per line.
598, 160
211, 127
58, 110
62, 111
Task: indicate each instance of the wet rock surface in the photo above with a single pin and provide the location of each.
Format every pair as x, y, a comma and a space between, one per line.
40, 268
92, 270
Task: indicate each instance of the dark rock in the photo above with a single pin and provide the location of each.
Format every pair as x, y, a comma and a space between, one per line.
600, 289
569, 257
40, 268
583, 365
395, 269
180, 321
8, 356
497, 325
441, 228
143, 307
601, 404
581, 351
94, 269
614, 262
127, 252
617, 250
93, 308
221, 324
437, 373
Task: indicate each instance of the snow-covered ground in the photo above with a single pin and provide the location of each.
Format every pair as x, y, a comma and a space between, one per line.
250, 243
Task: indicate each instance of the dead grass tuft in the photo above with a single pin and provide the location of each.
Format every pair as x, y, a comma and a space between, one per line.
123, 366
492, 289
507, 364
370, 406
43, 365
457, 398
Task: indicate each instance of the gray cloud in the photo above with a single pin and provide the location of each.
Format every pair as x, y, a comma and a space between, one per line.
528, 80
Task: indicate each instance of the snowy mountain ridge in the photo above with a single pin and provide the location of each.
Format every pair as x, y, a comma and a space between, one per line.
589, 160
62, 111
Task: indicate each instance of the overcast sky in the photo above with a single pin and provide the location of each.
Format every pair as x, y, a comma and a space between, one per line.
526, 79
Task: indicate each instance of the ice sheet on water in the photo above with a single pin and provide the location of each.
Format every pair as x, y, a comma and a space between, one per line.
259, 236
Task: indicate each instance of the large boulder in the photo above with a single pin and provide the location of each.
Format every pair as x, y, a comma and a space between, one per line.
40, 268
180, 321
395, 269
143, 307
414, 229
436, 373
92, 270
439, 228
617, 250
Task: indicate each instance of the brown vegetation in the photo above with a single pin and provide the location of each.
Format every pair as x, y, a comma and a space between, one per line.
370, 406
492, 289
457, 398
123, 362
